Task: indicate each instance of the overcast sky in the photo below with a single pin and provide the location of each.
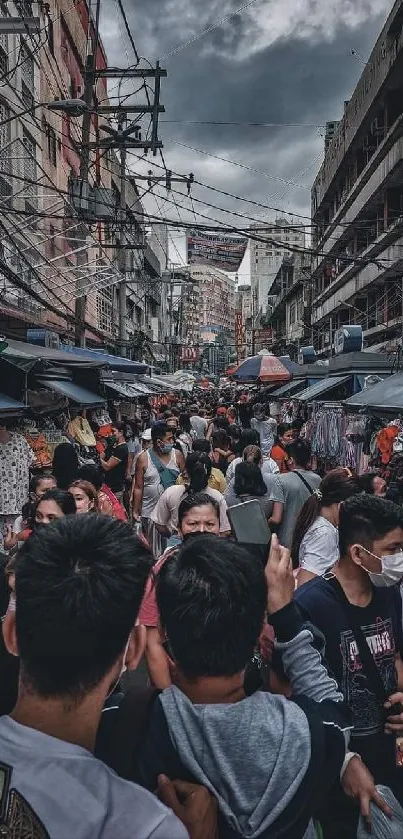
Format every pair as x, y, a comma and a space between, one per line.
276, 61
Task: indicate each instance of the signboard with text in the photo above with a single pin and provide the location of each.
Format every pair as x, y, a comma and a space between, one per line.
225, 252
188, 355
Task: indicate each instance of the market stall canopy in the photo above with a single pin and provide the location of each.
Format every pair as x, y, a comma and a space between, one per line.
10, 407
385, 397
325, 386
75, 393
265, 368
114, 362
292, 388
27, 356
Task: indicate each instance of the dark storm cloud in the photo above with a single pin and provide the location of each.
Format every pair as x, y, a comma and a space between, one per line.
286, 61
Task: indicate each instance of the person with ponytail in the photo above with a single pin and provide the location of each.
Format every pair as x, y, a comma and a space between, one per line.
198, 471
315, 545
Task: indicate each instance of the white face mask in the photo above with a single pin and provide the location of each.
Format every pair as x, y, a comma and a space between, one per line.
392, 569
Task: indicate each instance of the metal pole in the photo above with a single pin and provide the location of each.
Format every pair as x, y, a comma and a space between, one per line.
122, 255
171, 319
81, 300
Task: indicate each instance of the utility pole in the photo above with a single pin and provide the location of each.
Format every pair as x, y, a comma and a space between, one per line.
81, 300
122, 139
122, 249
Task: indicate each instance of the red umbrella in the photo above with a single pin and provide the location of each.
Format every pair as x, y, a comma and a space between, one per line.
265, 368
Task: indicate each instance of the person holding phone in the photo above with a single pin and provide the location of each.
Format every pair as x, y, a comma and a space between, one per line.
250, 485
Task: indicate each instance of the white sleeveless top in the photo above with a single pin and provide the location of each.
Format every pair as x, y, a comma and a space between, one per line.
152, 483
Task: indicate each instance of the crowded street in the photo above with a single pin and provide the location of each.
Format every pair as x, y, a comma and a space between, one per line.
201, 419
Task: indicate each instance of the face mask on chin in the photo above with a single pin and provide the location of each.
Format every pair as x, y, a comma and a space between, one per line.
392, 569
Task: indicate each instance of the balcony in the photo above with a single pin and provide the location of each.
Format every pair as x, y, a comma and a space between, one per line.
151, 262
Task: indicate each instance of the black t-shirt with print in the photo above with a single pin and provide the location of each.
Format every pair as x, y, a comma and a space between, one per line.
381, 623
115, 479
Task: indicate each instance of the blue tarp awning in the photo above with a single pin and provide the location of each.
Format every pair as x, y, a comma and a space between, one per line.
312, 393
114, 362
10, 406
289, 388
76, 393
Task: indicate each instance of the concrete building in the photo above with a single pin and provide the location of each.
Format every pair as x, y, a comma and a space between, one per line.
289, 317
266, 257
357, 204
216, 301
43, 262
243, 307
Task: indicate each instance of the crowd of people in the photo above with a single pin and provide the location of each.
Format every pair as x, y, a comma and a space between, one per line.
270, 704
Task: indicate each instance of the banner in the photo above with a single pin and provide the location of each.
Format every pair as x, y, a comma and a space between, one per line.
223, 251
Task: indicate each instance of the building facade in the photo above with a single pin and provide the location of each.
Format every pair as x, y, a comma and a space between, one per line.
266, 257
243, 311
48, 256
357, 205
289, 316
216, 307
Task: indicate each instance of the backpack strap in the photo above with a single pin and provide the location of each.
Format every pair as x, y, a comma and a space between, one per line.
304, 481
120, 744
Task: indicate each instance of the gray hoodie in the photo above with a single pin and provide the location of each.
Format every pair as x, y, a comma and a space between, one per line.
253, 755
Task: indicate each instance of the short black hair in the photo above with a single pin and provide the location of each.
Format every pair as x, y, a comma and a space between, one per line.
36, 480
300, 452
79, 584
366, 482
197, 499
159, 430
120, 426
212, 600
91, 473
365, 518
202, 446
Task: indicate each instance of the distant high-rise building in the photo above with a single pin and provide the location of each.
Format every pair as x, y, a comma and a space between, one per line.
216, 302
267, 255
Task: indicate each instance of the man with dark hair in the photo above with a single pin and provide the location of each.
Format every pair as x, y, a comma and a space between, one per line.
358, 608
156, 469
265, 759
71, 620
114, 462
297, 485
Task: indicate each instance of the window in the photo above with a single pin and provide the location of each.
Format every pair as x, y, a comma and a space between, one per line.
5, 137
293, 312
50, 34
104, 310
29, 165
3, 60
52, 144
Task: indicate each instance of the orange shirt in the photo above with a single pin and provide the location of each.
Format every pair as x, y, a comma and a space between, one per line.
280, 456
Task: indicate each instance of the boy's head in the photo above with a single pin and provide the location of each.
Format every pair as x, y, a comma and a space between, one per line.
371, 537
78, 588
212, 601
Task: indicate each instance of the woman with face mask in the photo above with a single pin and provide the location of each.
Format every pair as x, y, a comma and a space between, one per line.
315, 545
198, 513
85, 496
198, 471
